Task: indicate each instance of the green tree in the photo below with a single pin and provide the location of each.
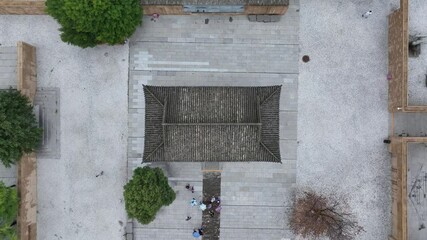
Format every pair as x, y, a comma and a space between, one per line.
9, 204
19, 133
146, 193
8, 233
86, 23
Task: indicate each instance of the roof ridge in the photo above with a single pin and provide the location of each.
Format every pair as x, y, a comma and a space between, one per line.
270, 152
278, 87
146, 87
155, 150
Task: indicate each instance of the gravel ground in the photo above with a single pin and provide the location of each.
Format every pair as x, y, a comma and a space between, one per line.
92, 83
342, 116
417, 67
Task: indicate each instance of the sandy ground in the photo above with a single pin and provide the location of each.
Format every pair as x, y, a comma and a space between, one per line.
92, 83
417, 67
342, 106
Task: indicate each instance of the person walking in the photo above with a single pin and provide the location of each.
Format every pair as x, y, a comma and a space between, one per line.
100, 174
367, 14
193, 202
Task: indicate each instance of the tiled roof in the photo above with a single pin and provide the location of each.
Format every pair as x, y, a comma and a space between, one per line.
212, 124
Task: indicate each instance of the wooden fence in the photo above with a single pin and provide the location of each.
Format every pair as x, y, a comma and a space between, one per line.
398, 61
22, 7
27, 166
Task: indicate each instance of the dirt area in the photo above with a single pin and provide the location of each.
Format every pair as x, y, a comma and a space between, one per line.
417, 66
342, 116
417, 191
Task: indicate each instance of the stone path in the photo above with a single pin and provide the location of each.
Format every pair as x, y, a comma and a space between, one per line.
184, 51
211, 188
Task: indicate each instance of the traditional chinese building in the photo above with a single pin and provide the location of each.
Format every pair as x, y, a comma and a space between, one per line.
211, 124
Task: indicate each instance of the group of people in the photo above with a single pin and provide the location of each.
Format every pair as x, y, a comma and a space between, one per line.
212, 205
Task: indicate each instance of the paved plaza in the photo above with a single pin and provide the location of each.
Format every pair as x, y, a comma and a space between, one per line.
184, 51
333, 118
71, 202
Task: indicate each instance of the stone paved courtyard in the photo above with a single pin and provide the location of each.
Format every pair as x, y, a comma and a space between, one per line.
338, 99
184, 51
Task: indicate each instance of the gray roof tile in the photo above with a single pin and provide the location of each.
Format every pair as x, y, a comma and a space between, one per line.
212, 124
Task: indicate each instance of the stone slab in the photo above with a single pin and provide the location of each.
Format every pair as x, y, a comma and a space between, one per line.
47, 101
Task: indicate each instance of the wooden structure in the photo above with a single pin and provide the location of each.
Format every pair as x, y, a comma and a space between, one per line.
27, 166
167, 7
211, 124
22, 7
398, 61
243, 7
399, 151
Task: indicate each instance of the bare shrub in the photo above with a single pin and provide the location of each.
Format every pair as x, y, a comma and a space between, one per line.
316, 215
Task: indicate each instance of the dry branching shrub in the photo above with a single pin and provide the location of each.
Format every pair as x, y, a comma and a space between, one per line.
316, 215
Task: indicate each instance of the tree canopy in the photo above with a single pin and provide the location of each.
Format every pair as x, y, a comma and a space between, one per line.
19, 133
146, 193
9, 204
88, 23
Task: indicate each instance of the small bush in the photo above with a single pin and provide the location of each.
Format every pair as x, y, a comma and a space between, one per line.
88, 23
8, 212
18, 131
146, 193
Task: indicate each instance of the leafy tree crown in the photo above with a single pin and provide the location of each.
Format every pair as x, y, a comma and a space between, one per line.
86, 23
19, 133
146, 193
9, 203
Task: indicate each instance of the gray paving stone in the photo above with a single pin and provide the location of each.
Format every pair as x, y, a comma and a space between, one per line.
219, 27
136, 124
183, 51
47, 101
255, 234
182, 57
260, 217
412, 124
288, 125
135, 147
288, 149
